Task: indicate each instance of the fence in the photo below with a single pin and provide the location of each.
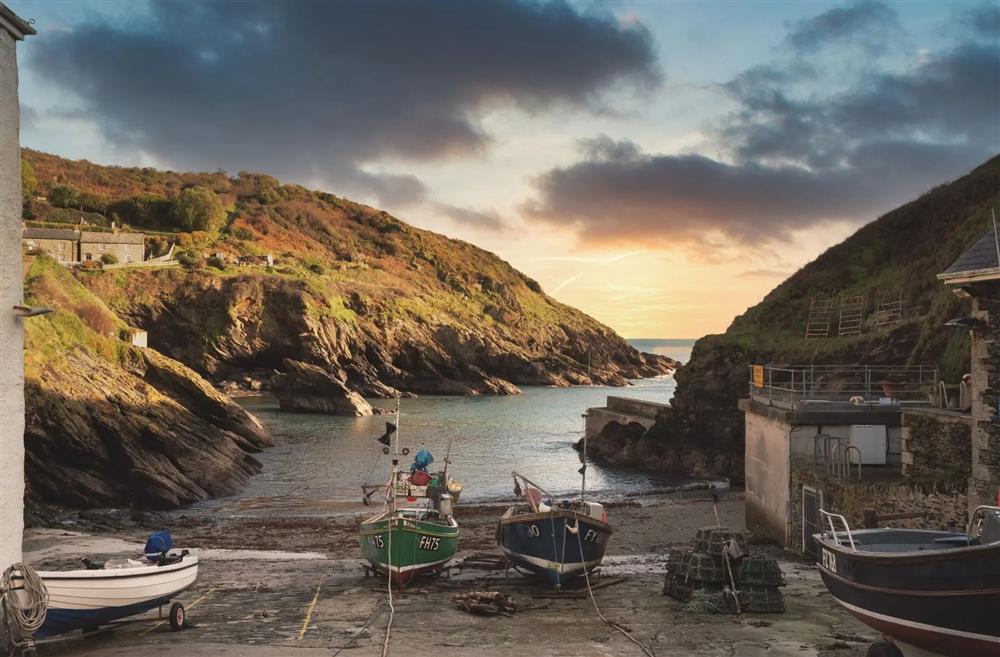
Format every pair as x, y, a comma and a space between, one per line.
854, 384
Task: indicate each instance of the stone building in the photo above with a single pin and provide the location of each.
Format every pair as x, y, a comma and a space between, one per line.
59, 243
125, 247
976, 277
12, 30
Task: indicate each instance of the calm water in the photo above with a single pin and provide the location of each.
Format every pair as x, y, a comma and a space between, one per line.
320, 462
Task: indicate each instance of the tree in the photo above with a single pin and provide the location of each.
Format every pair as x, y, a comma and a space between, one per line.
29, 181
65, 196
198, 208
109, 259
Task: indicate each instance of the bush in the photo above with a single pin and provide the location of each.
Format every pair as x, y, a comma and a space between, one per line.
64, 196
242, 233
96, 317
215, 262
188, 258
198, 208
109, 259
29, 181
316, 268
143, 210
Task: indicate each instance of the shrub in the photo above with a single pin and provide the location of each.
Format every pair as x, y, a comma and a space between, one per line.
29, 181
198, 208
96, 316
64, 196
188, 258
242, 233
109, 259
215, 262
316, 268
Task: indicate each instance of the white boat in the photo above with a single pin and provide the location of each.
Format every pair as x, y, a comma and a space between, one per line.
87, 599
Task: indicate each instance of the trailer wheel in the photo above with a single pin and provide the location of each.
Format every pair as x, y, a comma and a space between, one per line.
177, 616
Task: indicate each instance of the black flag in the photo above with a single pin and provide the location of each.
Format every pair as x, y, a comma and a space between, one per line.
583, 469
390, 429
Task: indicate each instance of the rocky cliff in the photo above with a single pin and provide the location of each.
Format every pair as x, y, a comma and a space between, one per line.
108, 423
896, 256
378, 305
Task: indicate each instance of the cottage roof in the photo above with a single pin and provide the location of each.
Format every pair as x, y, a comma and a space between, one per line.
48, 234
17, 26
979, 262
95, 237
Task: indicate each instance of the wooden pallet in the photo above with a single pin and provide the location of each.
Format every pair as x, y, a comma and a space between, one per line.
889, 310
820, 314
852, 315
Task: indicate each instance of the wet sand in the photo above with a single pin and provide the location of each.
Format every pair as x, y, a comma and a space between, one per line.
273, 586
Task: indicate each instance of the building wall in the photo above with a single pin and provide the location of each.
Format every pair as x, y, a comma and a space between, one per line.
984, 484
936, 445
61, 250
11, 331
767, 485
120, 251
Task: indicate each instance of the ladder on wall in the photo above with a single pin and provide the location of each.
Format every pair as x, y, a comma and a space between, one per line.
820, 314
852, 312
888, 309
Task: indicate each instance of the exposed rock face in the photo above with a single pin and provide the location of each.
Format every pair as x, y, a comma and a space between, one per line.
309, 388
109, 424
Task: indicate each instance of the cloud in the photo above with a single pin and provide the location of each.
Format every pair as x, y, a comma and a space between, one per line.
764, 273
484, 219
319, 90
797, 152
861, 23
984, 21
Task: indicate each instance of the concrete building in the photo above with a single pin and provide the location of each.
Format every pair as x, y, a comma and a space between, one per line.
125, 247
976, 276
59, 243
12, 30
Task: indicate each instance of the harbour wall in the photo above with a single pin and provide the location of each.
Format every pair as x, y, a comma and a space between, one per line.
622, 410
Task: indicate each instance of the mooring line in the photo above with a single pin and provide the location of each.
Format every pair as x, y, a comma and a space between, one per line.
309, 613
190, 606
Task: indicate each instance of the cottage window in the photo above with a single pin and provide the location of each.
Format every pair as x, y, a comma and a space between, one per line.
31, 244
100, 247
88, 257
62, 247
128, 258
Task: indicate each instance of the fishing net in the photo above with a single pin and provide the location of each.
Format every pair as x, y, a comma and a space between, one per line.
757, 570
705, 569
762, 600
704, 601
716, 541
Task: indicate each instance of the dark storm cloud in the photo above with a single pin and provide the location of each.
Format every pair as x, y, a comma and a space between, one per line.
488, 219
862, 23
796, 159
984, 20
317, 90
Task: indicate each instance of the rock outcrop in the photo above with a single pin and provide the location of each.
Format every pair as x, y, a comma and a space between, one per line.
308, 388
109, 424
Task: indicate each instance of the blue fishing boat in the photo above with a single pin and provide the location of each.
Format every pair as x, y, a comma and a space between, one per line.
557, 541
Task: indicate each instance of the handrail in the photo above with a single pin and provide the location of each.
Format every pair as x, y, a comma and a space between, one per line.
975, 516
829, 519
517, 475
847, 461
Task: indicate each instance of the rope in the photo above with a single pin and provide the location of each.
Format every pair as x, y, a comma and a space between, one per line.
579, 540
371, 619
21, 620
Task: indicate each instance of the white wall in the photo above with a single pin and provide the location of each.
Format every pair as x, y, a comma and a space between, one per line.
767, 476
11, 332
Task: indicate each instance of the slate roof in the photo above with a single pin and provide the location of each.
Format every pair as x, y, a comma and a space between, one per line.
48, 234
980, 256
91, 237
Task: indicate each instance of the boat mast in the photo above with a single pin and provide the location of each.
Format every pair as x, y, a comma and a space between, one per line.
583, 469
395, 466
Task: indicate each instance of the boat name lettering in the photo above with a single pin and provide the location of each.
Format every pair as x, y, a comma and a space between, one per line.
431, 543
375, 541
592, 536
534, 531
829, 561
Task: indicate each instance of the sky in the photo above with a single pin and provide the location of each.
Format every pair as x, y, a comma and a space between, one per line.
659, 165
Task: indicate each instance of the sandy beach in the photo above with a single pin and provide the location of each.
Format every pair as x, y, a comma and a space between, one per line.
273, 586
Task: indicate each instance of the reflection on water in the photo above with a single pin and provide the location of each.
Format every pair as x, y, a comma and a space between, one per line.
319, 461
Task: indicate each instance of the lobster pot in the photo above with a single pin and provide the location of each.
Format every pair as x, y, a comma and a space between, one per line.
715, 540
762, 600
757, 570
704, 569
677, 562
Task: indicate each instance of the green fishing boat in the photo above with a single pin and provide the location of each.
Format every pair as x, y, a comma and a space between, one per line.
415, 533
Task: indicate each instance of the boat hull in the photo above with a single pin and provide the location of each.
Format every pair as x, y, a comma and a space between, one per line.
417, 547
931, 602
543, 544
85, 599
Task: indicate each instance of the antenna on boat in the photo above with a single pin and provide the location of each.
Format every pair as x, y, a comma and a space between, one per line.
583, 468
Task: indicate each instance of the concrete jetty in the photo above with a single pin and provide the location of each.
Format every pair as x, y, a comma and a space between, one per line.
622, 410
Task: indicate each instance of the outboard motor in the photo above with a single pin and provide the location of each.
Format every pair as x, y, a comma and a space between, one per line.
157, 545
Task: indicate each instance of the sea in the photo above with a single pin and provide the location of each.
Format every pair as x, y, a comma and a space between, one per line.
319, 462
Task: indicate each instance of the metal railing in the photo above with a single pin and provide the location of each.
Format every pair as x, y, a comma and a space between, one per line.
830, 517
875, 385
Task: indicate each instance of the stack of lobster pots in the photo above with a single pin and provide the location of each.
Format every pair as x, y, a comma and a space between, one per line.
719, 574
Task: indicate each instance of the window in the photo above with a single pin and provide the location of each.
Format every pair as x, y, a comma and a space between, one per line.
128, 258
88, 257
31, 244
100, 247
62, 247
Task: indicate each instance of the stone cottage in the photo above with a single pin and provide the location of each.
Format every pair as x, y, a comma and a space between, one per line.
125, 247
58, 243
